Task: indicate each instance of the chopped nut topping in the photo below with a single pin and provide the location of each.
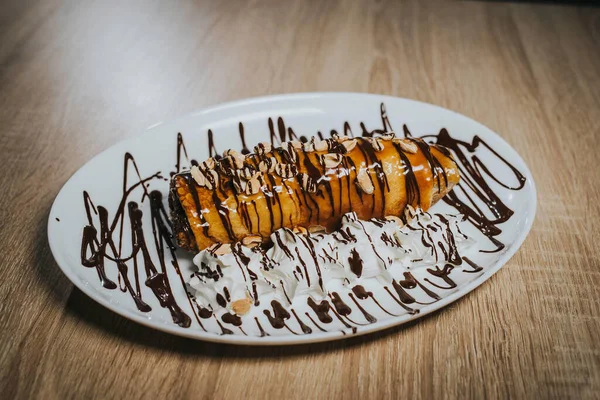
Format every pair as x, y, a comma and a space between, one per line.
388, 136
246, 173
307, 183
407, 145
300, 230
230, 152
296, 144
198, 176
253, 186
239, 185
395, 219
286, 171
349, 144
263, 148
364, 182
317, 229
289, 151
332, 160
316, 144
321, 145
377, 145
235, 158
267, 165
209, 163
252, 241
241, 306
220, 249
212, 181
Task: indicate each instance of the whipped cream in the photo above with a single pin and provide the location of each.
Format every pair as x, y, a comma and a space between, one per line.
300, 265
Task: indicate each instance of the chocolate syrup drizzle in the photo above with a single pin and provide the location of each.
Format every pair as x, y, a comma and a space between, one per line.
474, 185
102, 237
105, 242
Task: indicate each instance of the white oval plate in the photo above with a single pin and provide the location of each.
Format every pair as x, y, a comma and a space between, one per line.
155, 151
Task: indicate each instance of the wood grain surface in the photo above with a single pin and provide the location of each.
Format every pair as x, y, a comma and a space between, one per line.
78, 76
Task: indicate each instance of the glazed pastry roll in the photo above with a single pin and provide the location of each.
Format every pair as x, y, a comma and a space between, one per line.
305, 186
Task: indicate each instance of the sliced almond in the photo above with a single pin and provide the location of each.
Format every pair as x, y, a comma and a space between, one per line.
246, 173
316, 144
198, 176
296, 144
317, 229
272, 162
388, 136
293, 155
268, 164
262, 166
219, 249
253, 186
300, 230
263, 147
407, 145
235, 159
309, 146
349, 144
376, 143
212, 181
209, 163
286, 171
230, 152
332, 160
239, 160
241, 306
307, 183
239, 185
343, 138
290, 151
321, 145
395, 219
364, 182
252, 241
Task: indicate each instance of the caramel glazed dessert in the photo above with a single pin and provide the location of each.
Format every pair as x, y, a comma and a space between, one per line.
297, 216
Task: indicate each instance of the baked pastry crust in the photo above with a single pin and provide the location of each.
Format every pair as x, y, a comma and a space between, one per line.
310, 185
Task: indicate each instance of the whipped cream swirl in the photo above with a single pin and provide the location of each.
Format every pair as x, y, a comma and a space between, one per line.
313, 265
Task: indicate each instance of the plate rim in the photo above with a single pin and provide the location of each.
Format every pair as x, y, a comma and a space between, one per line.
319, 337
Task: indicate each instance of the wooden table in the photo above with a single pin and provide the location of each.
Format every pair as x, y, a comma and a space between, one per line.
76, 77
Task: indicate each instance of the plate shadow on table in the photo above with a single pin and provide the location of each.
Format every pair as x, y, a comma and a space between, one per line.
47, 272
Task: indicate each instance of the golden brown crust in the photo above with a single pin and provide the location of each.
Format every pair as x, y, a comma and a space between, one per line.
305, 185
